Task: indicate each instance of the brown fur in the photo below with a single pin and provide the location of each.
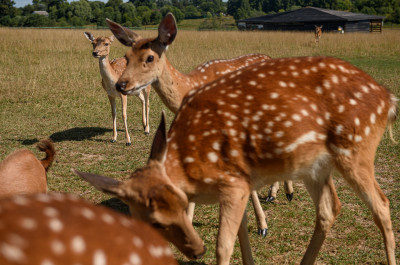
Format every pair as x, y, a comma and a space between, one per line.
22, 173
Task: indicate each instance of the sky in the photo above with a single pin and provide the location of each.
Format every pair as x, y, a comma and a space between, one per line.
22, 3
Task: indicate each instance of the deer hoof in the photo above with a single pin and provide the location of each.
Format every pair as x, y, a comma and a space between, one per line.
128, 144
113, 141
263, 232
289, 196
270, 199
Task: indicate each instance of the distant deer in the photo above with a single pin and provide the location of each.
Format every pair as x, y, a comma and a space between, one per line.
148, 64
288, 118
110, 72
318, 33
63, 229
22, 173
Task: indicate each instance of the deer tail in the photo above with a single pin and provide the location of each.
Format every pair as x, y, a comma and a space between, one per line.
47, 146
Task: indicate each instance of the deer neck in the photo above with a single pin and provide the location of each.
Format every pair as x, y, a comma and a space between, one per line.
106, 71
172, 86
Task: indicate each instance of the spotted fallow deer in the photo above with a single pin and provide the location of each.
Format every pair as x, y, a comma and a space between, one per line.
63, 229
148, 64
318, 33
22, 173
289, 118
110, 72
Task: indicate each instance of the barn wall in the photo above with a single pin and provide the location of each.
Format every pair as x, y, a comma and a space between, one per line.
357, 26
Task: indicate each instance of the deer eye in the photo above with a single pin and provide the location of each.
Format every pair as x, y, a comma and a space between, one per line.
150, 59
107, 44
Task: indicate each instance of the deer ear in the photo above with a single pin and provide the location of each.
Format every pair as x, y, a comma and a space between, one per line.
126, 36
159, 146
89, 36
102, 183
167, 29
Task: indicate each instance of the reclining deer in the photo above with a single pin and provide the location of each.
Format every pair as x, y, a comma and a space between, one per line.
289, 118
172, 85
110, 72
62, 229
22, 173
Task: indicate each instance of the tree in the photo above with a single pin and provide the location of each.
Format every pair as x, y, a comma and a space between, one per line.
7, 8
82, 10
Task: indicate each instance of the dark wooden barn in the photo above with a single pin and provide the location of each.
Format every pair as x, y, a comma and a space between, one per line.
304, 19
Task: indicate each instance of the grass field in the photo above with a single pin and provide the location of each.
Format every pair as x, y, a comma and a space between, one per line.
50, 86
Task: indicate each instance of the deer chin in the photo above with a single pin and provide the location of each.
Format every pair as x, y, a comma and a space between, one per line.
136, 90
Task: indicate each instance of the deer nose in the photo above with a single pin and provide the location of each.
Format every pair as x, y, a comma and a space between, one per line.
199, 256
95, 53
120, 86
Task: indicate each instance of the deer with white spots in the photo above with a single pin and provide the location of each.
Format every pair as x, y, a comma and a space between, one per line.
289, 118
317, 33
148, 64
22, 173
110, 72
47, 229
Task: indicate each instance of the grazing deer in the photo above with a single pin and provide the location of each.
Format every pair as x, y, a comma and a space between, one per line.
63, 229
289, 118
22, 173
318, 33
110, 72
148, 64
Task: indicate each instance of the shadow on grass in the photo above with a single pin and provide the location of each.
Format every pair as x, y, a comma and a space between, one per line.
74, 134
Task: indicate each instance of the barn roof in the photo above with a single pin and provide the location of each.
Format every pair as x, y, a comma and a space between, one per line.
312, 14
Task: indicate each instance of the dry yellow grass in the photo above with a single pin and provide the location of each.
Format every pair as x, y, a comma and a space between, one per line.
50, 87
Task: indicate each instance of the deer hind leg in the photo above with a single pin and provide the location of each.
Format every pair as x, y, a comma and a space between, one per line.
124, 101
114, 117
288, 184
361, 178
260, 215
273, 189
232, 208
323, 193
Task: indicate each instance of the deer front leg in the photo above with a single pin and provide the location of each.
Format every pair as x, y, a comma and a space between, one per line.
124, 101
114, 117
147, 103
145, 119
288, 184
232, 206
327, 206
260, 215
190, 211
245, 248
273, 189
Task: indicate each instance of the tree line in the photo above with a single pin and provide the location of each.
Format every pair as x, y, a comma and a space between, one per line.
136, 13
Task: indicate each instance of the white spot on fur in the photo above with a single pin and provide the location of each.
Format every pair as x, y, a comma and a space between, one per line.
274, 95
135, 259
78, 245
99, 258
57, 247
212, 156
353, 102
188, 159
340, 108
373, 118
367, 130
340, 151
56, 225
28, 223
305, 138
339, 129
12, 253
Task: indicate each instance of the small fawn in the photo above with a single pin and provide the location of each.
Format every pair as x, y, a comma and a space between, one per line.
110, 72
22, 173
63, 229
318, 33
288, 118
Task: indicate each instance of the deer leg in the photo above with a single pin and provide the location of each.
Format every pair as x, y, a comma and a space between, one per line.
260, 215
362, 179
245, 248
232, 207
288, 184
190, 211
114, 117
124, 101
273, 189
147, 102
327, 206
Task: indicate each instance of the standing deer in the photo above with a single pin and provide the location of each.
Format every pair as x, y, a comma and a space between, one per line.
110, 72
22, 173
63, 229
289, 118
148, 64
318, 33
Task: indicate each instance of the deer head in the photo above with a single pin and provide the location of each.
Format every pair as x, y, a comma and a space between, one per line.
146, 56
101, 45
